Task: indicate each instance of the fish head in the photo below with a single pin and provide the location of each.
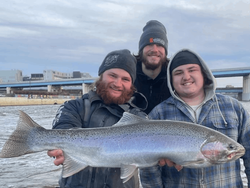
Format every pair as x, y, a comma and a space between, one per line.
219, 150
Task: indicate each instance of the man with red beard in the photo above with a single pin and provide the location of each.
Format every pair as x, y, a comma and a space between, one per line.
152, 61
114, 94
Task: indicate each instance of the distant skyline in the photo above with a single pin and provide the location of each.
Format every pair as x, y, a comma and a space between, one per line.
76, 35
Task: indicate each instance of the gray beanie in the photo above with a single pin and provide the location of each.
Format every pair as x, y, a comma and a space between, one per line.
121, 59
154, 32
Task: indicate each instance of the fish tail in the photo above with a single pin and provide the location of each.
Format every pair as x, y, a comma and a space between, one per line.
18, 144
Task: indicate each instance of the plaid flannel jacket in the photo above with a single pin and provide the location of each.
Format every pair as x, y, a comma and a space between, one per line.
223, 176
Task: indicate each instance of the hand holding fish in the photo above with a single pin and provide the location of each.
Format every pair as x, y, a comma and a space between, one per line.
58, 154
163, 162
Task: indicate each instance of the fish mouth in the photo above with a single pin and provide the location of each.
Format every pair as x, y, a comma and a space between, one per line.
231, 156
236, 154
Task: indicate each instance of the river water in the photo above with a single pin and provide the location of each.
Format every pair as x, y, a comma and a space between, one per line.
37, 169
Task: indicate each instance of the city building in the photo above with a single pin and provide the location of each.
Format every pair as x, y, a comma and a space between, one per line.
16, 76
10, 76
55, 75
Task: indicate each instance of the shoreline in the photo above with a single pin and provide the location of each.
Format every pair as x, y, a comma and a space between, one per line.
23, 101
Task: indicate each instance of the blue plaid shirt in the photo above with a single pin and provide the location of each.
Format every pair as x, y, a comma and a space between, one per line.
223, 176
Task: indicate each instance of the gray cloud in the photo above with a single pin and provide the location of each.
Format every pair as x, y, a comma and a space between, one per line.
76, 35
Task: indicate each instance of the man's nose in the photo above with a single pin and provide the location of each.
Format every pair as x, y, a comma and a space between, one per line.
154, 47
118, 82
186, 75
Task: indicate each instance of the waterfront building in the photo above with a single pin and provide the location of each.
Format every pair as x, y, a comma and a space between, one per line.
11, 76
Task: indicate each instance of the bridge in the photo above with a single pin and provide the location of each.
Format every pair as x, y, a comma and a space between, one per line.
56, 85
236, 72
52, 85
231, 72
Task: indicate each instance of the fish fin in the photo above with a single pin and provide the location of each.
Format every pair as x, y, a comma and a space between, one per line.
17, 143
26, 121
128, 118
136, 179
71, 166
127, 171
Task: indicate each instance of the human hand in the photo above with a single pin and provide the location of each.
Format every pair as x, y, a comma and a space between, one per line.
58, 154
163, 162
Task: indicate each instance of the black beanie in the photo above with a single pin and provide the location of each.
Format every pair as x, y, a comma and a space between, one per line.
154, 32
183, 58
121, 59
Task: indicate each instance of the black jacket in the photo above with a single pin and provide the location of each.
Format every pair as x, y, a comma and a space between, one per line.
155, 90
73, 114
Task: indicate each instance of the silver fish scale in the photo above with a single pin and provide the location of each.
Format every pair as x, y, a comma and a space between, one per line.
131, 141
148, 142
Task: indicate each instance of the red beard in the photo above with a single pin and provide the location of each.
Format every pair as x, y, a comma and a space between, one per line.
102, 91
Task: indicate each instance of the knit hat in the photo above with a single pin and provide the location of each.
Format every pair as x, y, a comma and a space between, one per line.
183, 58
121, 59
154, 32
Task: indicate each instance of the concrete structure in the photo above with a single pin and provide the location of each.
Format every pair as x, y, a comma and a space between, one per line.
246, 88
37, 76
53, 85
235, 72
20, 101
7, 76
55, 75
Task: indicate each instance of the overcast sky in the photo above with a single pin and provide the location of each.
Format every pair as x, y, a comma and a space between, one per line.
76, 35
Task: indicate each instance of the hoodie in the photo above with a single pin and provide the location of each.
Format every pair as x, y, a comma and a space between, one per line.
209, 89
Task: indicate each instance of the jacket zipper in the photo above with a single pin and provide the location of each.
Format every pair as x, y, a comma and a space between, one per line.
151, 89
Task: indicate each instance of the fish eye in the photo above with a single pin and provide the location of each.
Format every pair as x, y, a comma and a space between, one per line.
231, 146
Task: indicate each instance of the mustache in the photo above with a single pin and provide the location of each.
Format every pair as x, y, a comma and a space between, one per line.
154, 53
113, 86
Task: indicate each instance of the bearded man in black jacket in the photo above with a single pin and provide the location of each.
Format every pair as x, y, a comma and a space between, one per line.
152, 61
114, 94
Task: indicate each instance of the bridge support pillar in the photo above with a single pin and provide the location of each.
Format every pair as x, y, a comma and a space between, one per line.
8, 90
49, 88
246, 88
85, 88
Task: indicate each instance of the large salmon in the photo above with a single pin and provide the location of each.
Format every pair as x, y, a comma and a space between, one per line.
131, 143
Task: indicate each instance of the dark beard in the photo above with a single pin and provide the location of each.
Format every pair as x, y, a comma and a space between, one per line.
149, 66
102, 91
